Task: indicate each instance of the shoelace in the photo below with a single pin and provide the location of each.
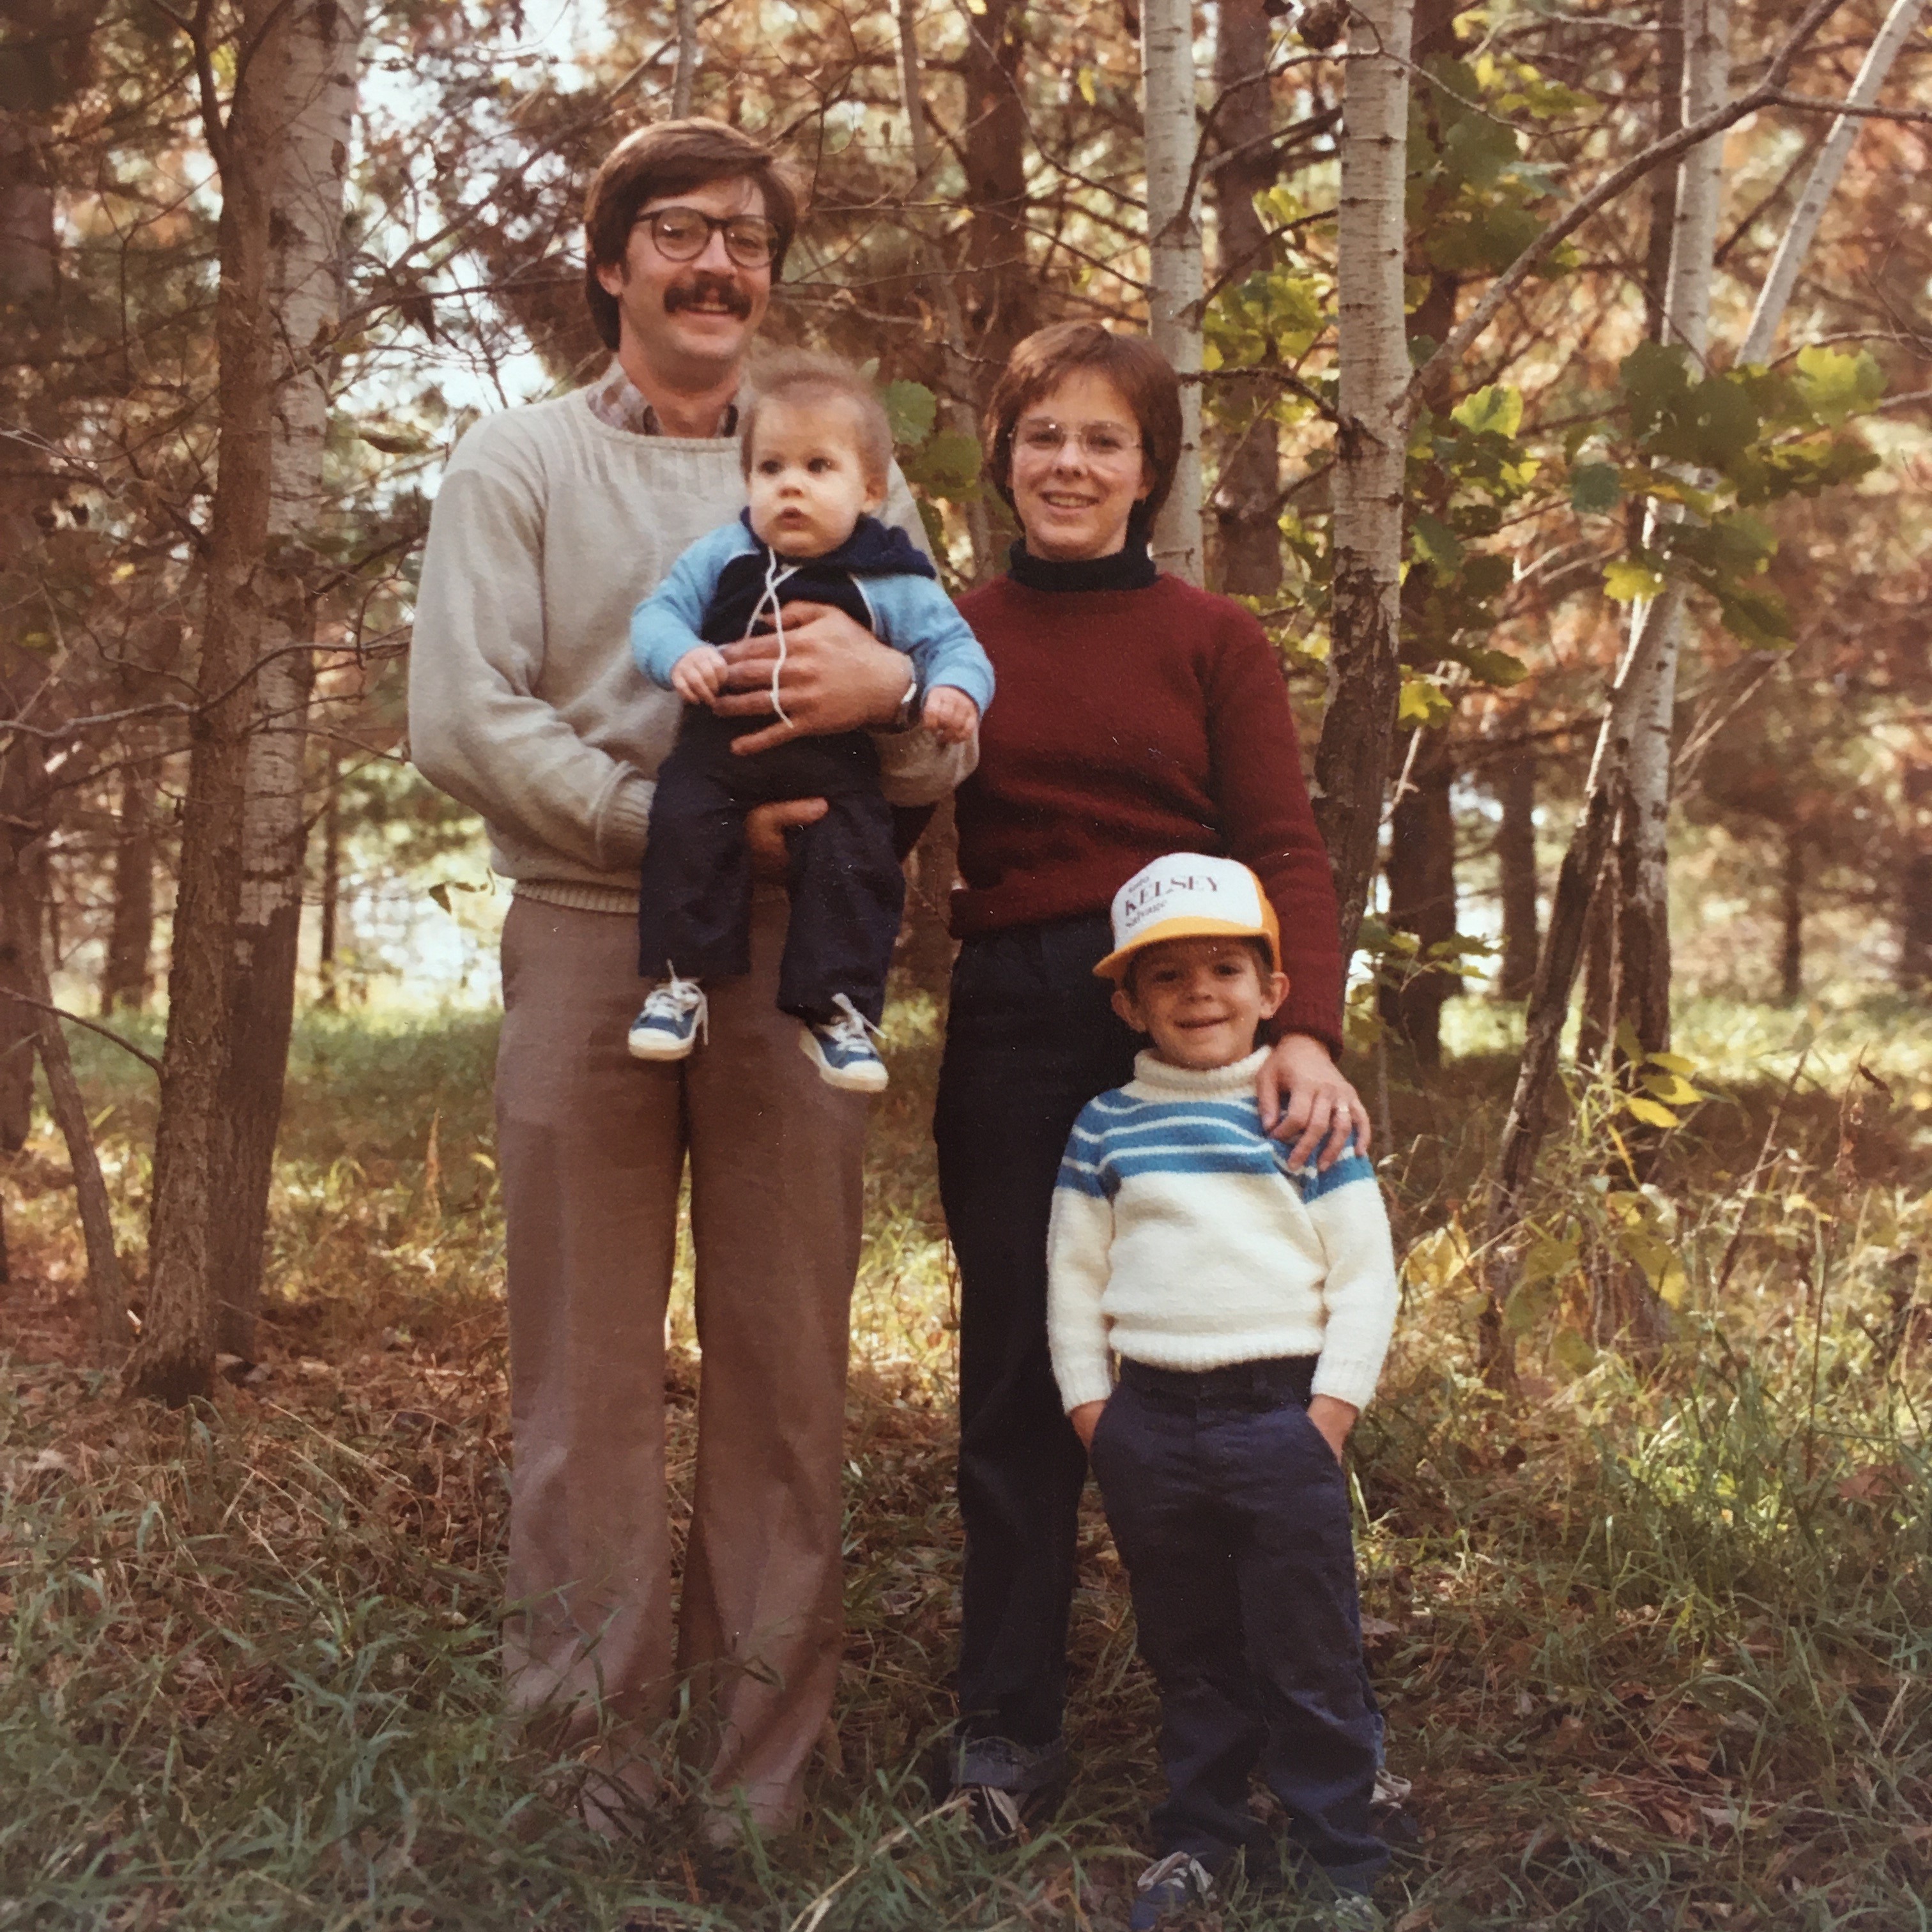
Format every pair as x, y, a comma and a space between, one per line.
681, 996
851, 1029
1176, 1865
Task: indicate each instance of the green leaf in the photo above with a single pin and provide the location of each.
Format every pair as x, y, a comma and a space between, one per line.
1573, 1352
1595, 488
1836, 384
1672, 1089
1495, 667
1626, 580
910, 408
1496, 409
1653, 377
1435, 542
1652, 1113
1422, 703
1672, 1062
947, 466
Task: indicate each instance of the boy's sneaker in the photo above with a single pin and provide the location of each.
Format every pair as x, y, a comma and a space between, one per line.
842, 1050
1168, 1888
674, 1016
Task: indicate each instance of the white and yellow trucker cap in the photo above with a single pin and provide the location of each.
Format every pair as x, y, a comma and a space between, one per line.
1185, 894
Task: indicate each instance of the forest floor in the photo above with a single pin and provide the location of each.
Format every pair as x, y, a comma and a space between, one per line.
1654, 1650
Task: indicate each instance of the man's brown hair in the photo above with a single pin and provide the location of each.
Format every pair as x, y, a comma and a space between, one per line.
1142, 374
674, 157
800, 376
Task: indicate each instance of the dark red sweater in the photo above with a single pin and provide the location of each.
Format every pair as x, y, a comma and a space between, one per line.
1129, 723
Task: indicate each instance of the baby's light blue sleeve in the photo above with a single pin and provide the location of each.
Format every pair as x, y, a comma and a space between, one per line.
917, 617
663, 627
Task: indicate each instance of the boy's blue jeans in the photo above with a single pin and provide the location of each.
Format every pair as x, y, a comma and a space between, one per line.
1231, 1514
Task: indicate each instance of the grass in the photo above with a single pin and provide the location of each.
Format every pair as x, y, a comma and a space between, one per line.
1654, 1650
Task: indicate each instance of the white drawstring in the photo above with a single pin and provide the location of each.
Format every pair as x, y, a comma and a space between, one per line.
774, 577
853, 1018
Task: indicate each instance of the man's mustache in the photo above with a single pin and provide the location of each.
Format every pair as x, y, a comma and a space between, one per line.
704, 287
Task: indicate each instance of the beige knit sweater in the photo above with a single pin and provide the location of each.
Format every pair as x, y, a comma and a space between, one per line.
524, 702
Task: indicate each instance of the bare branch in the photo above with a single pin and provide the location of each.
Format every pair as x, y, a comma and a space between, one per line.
127, 1046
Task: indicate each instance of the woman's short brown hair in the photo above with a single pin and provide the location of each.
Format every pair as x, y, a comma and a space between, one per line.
1142, 374
801, 376
674, 157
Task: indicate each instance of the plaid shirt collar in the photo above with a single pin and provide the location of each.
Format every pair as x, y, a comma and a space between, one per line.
616, 400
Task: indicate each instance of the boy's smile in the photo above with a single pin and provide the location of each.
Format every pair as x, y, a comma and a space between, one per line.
1201, 999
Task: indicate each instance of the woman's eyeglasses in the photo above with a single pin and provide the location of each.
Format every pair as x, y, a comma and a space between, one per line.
1098, 442
683, 234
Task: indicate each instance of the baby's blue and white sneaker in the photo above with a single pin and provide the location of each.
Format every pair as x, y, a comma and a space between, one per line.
842, 1050
1167, 1888
673, 1016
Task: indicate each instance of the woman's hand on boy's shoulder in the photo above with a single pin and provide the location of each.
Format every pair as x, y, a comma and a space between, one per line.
1303, 1098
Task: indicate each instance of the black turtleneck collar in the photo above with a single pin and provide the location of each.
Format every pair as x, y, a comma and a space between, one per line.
1131, 568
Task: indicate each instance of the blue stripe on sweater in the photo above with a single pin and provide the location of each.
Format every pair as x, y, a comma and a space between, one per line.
1118, 1138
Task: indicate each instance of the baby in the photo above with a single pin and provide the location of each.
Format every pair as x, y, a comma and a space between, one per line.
816, 450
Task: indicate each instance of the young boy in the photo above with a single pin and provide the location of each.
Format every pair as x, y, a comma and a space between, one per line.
817, 448
1250, 1308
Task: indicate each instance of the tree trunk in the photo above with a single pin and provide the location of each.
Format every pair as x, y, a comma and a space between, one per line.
330, 910
1596, 1024
1802, 229
1421, 875
1791, 953
1003, 302
125, 974
1245, 513
1629, 772
1914, 903
685, 77
1364, 666
1514, 780
325, 39
962, 396
1663, 182
1175, 260
107, 1290
175, 1361
1643, 917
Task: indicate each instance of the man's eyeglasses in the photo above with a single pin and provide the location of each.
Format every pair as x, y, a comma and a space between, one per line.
683, 234
1098, 442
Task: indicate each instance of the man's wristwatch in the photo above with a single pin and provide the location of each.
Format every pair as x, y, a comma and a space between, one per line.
907, 715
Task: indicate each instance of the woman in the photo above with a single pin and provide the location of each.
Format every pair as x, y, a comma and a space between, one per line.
1137, 715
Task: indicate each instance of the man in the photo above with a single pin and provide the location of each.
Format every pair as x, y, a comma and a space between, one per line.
553, 520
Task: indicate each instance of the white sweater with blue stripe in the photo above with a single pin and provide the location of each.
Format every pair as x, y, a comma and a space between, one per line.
1181, 1238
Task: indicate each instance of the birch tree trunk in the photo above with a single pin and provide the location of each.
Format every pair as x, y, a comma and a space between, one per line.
175, 1359
305, 277
1245, 511
1629, 780
1643, 920
1175, 260
1364, 664
1802, 230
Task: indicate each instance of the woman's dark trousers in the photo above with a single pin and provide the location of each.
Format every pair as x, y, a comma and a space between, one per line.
694, 887
1030, 1039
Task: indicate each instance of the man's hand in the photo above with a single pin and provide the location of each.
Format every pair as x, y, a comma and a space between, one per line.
1304, 1099
1085, 1420
837, 677
698, 676
765, 829
1333, 1419
950, 715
